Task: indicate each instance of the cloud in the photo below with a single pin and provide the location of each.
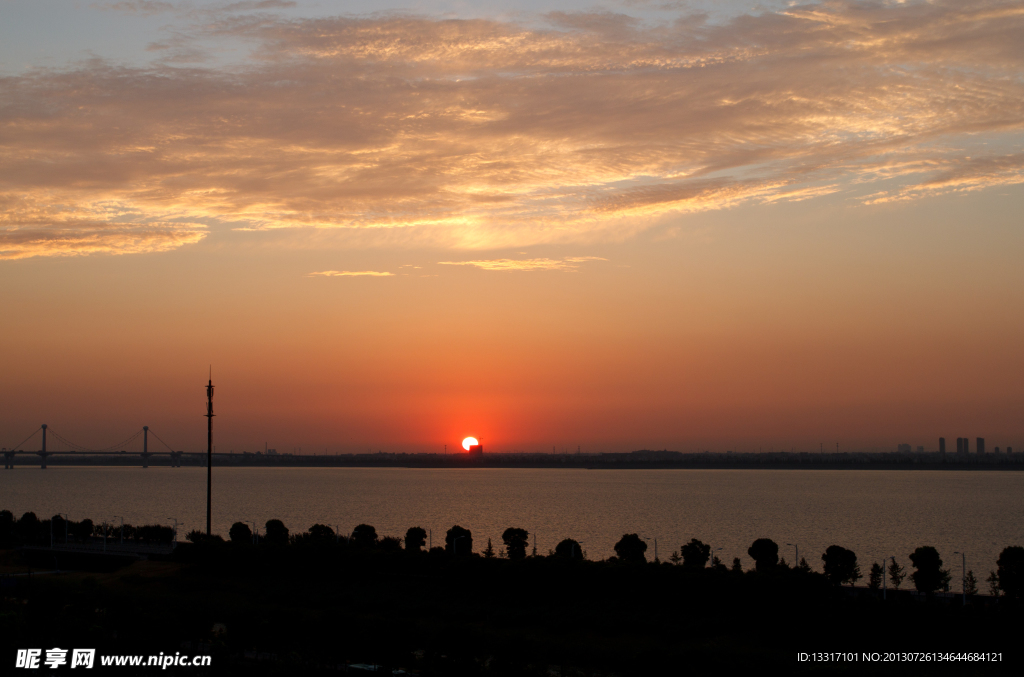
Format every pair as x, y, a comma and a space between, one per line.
484, 134
569, 264
70, 224
144, 7
352, 273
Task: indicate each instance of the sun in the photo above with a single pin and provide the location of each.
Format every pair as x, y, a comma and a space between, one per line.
469, 442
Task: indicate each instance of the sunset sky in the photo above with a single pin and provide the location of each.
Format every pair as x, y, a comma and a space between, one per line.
618, 225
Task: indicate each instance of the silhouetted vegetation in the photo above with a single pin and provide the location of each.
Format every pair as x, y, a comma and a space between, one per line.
240, 533
315, 599
569, 548
415, 539
458, 541
1011, 572
631, 548
695, 554
275, 532
516, 541
928, 576
765, 553
875, 577
896, 574
841, 565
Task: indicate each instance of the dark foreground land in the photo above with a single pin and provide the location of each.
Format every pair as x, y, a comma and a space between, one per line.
315, 608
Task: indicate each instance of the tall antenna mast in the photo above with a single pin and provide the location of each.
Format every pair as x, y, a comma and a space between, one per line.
209, 448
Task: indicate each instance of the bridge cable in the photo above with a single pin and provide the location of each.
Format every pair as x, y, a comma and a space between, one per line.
158, 439
113, 447
15, 447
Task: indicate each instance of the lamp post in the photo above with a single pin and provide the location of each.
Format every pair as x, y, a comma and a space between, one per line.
963, 574
176, 525
796, 554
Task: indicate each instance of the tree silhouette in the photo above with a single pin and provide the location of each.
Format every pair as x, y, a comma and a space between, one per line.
240, 533
736, 566
489, 551
928, 575
569, 548
516, 541
803, 566
631, 548
896, 574
970, 583
364, 536
415, 539
390, 544
695, 554
765, 553
28, 528
875, 578
275, 532
83, 530
993, 583
6, 528
458, 541
322, 533
196, 536
1011, 571
840, 565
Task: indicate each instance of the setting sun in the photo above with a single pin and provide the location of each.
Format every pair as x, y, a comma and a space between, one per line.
469, 442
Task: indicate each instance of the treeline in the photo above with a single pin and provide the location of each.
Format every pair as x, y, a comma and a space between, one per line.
31, 531
840, 565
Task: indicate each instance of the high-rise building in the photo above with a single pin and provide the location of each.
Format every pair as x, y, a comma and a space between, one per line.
981, 445
959, 445
942, 446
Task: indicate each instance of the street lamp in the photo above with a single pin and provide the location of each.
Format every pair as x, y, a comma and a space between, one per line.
711, 561
796, 554
963, 574
176, 525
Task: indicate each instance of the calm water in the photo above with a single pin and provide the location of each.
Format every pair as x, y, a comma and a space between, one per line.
874, 513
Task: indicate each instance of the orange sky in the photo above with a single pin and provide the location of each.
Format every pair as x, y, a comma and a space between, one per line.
389, 232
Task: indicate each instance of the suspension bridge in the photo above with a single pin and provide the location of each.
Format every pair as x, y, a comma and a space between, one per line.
136, 445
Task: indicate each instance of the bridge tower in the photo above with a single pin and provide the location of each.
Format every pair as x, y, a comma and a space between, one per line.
43, 454
145, 446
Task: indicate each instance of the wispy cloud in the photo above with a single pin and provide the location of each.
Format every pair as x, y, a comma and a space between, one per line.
487, 134
569, 264
352, 273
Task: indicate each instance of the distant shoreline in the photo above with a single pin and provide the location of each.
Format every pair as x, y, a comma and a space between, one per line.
639, 460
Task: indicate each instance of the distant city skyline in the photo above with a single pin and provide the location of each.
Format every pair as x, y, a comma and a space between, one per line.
617, 225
